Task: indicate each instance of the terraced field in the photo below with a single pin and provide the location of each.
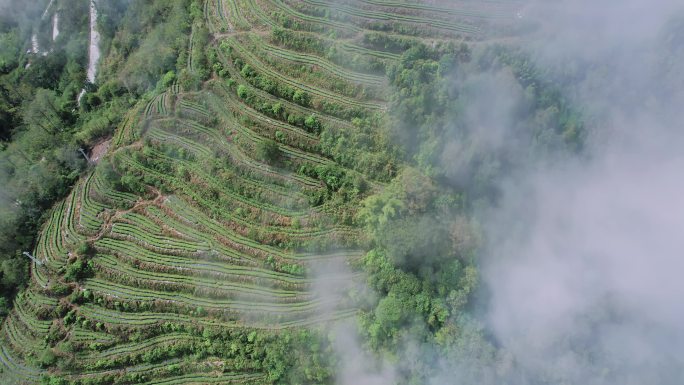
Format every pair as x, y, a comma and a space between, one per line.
202, 236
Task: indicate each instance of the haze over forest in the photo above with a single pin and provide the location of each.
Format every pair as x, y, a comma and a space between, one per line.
343, 192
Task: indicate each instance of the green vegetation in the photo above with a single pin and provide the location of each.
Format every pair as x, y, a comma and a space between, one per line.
251, 142
41, 116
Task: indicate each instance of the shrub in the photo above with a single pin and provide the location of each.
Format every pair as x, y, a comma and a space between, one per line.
267, 151
78, 270
313, 124
168, 79
242, 91
302, 98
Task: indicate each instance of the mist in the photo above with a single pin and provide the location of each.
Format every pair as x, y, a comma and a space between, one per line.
584, 256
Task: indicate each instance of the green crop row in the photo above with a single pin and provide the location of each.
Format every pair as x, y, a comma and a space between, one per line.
26, 316
126, 133
237, 241
203, 378
470, 13
142, 222
311, 141
87, 336
179, 224
88, 208
311, 73
133, 293
203, 222
21, 341
210, 288
267, 16
173, 245
70, 233
236, 181
288, 151
19, 373
227, 23
259, 14
267, 70
134, 347
201, 268
164, 136
239, 20
318, 61
317, 20
201, 181
38, 275
192, 106
39, 299
157, 106
223, 90
232, 189
373, 15
142, 319
49, 245
106, 194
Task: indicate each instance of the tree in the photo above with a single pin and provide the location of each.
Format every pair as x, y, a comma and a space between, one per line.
313, 124
42, 111
168, 79
45, 71
10, 45
302, 98
132, 183
188, 80
277, 109
242, 91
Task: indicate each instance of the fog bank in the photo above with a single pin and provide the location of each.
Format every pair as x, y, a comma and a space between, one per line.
584, 258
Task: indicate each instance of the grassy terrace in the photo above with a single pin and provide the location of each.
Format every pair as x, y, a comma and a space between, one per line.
203, 378
180, 258
322, 23
317, 92
330, 68
312, 70
477, 10
394, 17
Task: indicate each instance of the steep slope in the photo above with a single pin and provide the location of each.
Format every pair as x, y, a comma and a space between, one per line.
195, 251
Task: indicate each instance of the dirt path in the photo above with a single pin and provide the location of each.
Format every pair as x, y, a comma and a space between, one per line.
99, 150
109, 220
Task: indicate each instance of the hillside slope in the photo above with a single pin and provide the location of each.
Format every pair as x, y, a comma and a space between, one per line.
197, 249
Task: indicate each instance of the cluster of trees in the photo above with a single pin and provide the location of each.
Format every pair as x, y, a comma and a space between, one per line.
468, 117
423, 261
310, 123
384, 42
463, 119
286, 357
42, 125
39, 157
326, 48
271, 86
